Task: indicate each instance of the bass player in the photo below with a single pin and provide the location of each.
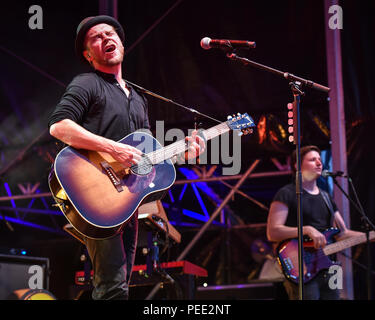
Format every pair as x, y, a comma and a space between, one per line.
319, 213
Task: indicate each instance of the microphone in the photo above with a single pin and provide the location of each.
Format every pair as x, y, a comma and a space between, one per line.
326, 173
207, 43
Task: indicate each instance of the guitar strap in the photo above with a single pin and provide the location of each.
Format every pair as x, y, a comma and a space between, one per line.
328, 202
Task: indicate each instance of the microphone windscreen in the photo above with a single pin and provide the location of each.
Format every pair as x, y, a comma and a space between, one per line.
325, 173
205, 43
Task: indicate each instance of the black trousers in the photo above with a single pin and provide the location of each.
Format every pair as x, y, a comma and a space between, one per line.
112, 260
316, 289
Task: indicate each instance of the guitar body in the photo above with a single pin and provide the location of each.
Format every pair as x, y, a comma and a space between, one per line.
98, 195
314, 260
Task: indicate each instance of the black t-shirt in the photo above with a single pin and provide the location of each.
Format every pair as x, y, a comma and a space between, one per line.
315, 211
96, 101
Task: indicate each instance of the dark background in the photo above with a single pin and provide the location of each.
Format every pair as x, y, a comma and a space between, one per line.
36, 65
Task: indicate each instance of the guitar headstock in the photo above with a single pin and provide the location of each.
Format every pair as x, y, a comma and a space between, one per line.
241, 122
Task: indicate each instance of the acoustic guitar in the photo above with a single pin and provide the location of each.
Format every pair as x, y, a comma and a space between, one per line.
98, 195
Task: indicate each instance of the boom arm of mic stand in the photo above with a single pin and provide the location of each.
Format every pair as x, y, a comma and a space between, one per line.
155, 95
286, 75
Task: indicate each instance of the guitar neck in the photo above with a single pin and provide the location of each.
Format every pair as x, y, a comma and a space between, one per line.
181, 146
347, 243
216, 131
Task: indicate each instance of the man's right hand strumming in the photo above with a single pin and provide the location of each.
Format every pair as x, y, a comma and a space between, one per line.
317, 237
125, 154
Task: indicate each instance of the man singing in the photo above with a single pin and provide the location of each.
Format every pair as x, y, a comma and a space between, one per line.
98, 109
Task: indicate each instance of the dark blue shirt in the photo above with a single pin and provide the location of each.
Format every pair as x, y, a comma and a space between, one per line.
96, 101
315, 210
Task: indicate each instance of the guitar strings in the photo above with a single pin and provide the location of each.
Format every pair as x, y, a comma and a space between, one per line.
166, 153
159, 155
313, 256
310, 257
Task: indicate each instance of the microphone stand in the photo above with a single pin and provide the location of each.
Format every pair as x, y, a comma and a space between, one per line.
155, 95
367, 226
296, 111
295, 84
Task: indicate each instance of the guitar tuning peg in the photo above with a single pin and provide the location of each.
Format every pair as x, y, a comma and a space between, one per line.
229, 117
247, 131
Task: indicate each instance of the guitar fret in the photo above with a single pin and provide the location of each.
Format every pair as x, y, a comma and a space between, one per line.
216, 131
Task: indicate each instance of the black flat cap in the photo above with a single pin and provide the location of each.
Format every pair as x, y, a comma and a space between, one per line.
88, 23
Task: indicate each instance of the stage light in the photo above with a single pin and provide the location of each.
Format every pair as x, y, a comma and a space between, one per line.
291, 121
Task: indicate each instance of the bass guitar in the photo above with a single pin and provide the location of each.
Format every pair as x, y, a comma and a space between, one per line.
98, 195
314, 260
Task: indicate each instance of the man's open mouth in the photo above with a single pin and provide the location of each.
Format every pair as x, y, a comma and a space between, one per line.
110, 48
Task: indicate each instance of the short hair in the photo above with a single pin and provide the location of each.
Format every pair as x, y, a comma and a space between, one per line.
304, 150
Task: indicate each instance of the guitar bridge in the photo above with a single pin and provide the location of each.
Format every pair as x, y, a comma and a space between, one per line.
116, 181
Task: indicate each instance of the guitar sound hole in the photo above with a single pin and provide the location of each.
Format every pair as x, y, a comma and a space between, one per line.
143, 167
